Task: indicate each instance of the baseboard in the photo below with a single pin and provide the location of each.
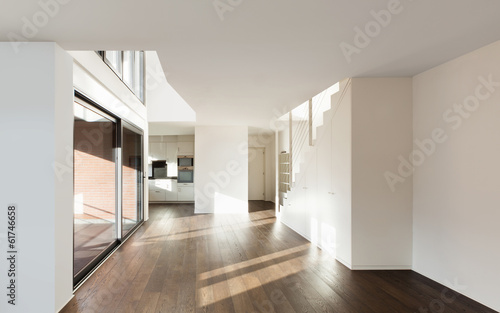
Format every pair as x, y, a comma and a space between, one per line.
381, 267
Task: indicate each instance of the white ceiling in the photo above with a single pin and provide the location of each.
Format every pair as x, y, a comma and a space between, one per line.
264, 54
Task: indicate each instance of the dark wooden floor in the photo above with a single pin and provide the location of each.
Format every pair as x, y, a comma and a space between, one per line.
89, 240
258, 205
181, 262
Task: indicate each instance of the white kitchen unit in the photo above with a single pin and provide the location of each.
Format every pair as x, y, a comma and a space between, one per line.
163, 190
169, 147
171, 192
157, 190
185, 148
185, 192
157, 151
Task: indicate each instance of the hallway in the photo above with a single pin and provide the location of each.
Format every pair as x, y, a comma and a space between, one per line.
181, 262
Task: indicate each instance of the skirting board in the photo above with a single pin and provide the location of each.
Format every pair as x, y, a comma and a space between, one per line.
381, 267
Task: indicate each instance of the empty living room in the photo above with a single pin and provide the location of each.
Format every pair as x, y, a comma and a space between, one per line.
249, 156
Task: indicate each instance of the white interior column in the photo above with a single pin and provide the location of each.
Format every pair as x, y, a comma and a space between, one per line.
221, 169
36, 132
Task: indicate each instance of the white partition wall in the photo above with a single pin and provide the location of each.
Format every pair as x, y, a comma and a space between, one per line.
456, 188
36, 131
381, 135
221, 169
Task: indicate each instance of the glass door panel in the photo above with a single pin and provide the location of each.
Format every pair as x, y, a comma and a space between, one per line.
132, 178
95, 172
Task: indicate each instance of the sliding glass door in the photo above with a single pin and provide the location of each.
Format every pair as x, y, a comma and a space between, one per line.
132, 177
95, 169
108, 184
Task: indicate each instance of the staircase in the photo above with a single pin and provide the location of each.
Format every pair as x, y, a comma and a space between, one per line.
305, 127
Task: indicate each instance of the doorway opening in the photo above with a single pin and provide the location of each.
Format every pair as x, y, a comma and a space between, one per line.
256, 174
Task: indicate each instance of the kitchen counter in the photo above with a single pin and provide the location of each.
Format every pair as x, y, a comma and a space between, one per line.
168, 190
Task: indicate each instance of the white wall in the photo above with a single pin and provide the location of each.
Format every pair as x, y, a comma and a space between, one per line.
381, 131
455, 209
267, 141
35, 131
221, 177
164, 103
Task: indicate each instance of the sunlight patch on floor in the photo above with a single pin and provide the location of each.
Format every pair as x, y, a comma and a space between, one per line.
183, 233
252, 262
248, 281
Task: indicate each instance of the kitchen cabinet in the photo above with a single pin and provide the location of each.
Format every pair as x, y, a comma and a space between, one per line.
171, 155
171, 192
185, 148
161, 190
157, 151
157, 190
185, 192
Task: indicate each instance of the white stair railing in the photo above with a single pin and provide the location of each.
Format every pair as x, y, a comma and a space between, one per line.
300, 135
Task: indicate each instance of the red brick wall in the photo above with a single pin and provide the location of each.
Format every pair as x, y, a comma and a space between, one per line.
94, 170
